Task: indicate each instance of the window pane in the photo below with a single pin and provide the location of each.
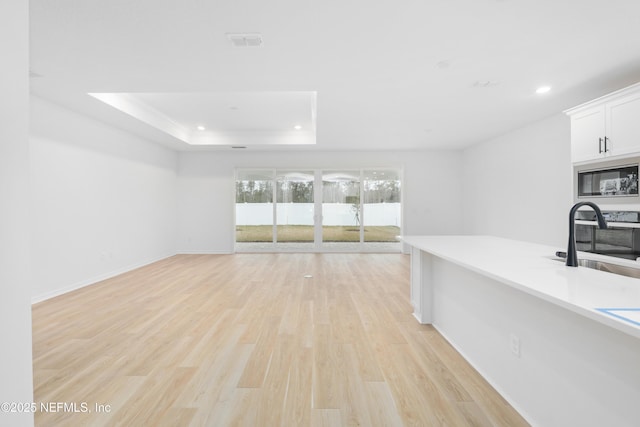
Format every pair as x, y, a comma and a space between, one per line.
381, 206
294, 206
254, 206
341, 206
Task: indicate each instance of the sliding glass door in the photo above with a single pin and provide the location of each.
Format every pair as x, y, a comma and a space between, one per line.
318, 210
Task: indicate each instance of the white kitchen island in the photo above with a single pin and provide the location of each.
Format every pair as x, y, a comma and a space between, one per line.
561, 344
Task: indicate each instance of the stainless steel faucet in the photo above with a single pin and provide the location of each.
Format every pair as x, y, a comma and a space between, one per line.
572, 254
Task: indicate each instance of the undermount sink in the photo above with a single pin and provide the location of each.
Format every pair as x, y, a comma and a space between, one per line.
608, 267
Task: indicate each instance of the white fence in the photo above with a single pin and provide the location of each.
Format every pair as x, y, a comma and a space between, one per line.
302, 214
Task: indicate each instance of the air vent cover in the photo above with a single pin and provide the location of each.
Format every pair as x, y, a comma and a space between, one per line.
245, 39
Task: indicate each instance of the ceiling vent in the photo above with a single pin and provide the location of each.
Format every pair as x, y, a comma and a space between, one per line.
485, 83
245, 39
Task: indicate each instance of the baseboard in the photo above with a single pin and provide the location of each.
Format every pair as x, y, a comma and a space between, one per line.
203, 252
43, 297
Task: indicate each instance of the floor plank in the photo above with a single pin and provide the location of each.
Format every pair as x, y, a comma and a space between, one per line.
248, 340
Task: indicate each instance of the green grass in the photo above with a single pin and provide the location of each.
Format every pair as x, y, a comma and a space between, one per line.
304, 233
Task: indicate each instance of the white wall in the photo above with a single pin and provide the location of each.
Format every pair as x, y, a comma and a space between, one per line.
16, 384
432, 189
519, 185
104, 201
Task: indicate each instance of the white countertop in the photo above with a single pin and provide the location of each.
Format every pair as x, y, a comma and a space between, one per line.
607, 298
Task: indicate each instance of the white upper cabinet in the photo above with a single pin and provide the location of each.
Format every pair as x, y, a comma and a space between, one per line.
606, 127
623, 125
587, 134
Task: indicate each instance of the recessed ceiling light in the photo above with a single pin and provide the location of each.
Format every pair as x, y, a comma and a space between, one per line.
543, 89
201, 128
297, 127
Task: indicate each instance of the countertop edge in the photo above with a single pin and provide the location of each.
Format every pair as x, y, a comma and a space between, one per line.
591, 313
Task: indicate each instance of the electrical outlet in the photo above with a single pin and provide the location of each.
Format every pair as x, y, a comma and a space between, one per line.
514, 344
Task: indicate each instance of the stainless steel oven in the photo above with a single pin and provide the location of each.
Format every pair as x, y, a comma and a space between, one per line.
621, 239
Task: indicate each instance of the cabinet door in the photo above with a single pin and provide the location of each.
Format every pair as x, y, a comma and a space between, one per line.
623, 125
587, 128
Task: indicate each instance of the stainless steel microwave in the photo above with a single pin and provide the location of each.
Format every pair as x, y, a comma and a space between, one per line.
608, 181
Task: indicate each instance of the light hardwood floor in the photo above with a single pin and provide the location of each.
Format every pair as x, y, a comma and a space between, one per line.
248, 340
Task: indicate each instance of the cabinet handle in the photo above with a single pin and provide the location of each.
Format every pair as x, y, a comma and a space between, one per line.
600, 145
605, 144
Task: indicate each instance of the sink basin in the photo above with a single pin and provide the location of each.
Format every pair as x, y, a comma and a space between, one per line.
622, 270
